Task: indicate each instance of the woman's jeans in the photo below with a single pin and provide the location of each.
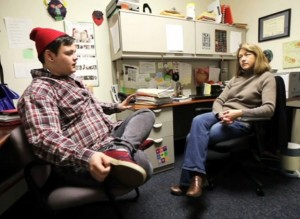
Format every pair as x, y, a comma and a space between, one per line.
206, 129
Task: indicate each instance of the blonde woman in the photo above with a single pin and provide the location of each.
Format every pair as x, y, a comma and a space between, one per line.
251, 92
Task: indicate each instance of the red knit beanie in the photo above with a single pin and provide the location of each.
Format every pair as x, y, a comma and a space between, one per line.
43, 37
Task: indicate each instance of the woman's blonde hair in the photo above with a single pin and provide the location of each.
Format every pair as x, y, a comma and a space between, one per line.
261, 62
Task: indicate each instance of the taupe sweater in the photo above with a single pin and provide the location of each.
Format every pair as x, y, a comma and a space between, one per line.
254, 94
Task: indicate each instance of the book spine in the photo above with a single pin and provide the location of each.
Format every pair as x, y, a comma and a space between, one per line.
228, 15
223, 9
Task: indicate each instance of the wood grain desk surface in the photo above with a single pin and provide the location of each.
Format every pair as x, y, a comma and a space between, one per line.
293, 102
138, 106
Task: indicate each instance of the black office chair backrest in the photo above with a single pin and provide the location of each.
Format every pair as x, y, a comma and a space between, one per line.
277, 131
40, 173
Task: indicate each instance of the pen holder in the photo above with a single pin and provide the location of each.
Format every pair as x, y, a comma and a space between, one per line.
200, 89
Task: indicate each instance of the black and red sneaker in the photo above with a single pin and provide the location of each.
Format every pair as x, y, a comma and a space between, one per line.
124, 169
146, 144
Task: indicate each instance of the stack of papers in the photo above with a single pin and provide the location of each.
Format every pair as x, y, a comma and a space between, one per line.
207, 16
182, 99
146, 100
240, 25
153, 92
152, 96
9, 117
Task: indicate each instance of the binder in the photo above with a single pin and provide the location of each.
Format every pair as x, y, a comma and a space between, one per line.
226, 14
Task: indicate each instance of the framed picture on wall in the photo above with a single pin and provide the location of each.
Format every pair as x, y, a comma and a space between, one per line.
274, 26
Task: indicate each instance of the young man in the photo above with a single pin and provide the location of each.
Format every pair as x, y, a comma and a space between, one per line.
69, 128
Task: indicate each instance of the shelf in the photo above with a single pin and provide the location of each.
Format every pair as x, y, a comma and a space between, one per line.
147, 36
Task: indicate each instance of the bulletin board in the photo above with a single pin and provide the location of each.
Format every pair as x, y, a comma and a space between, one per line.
291, 54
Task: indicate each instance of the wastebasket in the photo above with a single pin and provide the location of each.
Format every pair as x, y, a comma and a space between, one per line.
290, 161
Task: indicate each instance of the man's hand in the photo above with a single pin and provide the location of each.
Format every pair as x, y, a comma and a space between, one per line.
227, 117
126, 103
99, 166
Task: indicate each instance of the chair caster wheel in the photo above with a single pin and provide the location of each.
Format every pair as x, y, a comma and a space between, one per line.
260, 192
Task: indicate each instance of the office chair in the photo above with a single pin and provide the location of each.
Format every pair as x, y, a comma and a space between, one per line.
42, 183
268, 138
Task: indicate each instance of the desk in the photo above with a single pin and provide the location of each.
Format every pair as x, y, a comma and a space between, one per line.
174, 104
293, 102
12, 183
294, 105
8, 164
183, 113
5, 132
172, 124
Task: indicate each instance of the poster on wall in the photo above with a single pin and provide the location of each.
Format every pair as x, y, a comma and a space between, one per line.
291, 54
206, 41
86, 68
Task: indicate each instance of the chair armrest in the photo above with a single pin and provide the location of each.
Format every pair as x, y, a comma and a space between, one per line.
254, 119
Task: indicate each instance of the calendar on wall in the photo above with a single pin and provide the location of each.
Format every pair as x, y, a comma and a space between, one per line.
86, 67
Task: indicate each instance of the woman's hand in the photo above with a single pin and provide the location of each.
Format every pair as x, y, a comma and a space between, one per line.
99, 166
227, 117
126, 103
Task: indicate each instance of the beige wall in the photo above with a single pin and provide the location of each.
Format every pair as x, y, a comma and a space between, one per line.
250, 11
36, 11
76, 11
243, 11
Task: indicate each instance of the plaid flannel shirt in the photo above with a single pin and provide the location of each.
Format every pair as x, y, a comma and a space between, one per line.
63, 120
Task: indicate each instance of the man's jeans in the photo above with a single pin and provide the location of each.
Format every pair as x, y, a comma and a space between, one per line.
135, 128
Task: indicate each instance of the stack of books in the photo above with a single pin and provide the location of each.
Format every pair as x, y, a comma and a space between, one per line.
207, 16
152, 96
9, 117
